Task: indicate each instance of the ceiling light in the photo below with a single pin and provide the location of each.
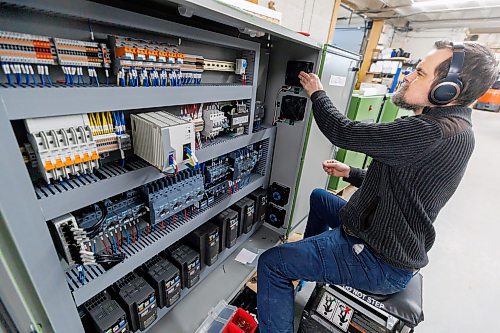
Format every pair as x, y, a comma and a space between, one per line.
425, 3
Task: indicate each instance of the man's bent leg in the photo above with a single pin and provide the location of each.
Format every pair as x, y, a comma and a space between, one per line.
323, 212
330, 258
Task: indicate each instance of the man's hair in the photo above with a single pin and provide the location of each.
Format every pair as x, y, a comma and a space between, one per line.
478, 74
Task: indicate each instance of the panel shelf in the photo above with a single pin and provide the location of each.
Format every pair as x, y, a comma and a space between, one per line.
156, 243
76, 198
22, 103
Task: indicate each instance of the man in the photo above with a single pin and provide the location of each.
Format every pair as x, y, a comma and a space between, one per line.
380, 238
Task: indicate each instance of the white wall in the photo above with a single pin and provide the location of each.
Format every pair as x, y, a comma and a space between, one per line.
420, 42
312, 16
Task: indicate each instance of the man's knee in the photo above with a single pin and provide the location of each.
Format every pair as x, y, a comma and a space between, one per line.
269, 260
317, 196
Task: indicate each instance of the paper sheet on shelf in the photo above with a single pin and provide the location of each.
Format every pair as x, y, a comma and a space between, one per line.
245, 256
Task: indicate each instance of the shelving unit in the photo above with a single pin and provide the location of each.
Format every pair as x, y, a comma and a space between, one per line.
58, 291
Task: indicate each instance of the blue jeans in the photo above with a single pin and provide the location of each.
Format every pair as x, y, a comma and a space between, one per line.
328, 256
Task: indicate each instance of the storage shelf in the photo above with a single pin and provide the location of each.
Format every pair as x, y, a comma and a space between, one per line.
22, 103
105, 280
68, 201
224, 257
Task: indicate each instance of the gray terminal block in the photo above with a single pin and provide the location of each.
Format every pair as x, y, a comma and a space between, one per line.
205, 239
228, 223
105, 315
138, 299
188, 262
165, 278
245, 209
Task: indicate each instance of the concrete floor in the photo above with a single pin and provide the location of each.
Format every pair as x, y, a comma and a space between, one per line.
462, 281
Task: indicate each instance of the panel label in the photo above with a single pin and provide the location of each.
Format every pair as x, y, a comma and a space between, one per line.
338, 81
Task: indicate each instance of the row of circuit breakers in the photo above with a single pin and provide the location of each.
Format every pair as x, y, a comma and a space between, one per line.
131, 303
136, 62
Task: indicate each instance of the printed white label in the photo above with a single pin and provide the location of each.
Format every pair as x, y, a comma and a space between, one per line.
338, 81
240, 120
342, 316
327, 306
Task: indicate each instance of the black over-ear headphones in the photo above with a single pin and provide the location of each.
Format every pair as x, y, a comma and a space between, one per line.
448, 89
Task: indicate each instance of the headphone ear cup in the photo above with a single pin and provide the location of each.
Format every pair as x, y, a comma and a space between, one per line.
445, 91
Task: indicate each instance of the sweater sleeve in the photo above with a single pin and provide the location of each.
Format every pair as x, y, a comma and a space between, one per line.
392, 143
356, 176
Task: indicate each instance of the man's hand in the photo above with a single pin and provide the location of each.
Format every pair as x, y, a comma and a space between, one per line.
336, 168
310, 82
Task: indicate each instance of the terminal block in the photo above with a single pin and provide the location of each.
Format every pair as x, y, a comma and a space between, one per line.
170, 195
26, 49
143, 63
79, 53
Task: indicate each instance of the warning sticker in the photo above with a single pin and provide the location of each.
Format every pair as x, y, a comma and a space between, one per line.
342, 316
327, 306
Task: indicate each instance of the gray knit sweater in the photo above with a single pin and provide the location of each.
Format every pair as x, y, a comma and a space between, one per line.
417, 165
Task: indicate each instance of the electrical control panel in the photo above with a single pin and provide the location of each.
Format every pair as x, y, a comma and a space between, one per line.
116, 184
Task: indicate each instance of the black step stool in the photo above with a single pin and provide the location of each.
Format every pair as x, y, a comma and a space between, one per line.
345, 309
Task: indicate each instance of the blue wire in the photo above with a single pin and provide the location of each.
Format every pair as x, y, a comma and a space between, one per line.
123, 122
128, 237
95, 249
49, 79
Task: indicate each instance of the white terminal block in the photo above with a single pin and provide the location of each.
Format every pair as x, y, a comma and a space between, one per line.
241, 66
215, 121
63, 146
161, 135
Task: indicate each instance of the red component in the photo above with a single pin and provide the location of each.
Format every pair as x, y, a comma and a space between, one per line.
241, 322
304, 33
370, 108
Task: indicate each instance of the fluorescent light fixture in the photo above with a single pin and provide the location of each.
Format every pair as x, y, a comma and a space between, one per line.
452, 4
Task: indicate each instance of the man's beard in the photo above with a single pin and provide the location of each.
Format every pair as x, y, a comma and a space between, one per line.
399, 99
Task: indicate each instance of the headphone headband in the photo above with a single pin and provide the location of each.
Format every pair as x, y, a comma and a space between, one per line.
457, 59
